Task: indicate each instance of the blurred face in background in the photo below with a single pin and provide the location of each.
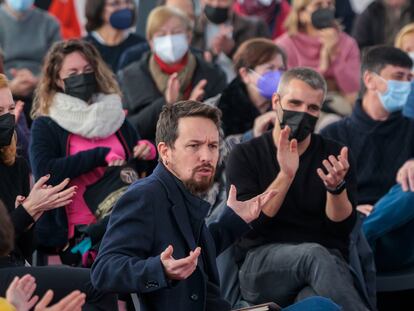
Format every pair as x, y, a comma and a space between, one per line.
395, 4
184, 5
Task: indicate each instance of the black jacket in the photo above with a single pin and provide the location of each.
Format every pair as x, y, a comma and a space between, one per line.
156, 212
14, 181
144, 101
238, 111
49, 154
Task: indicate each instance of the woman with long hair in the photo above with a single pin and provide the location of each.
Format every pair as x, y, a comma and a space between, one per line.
79, 130
315, 39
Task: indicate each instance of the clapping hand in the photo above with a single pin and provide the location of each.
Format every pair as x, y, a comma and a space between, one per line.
249, 210
20, 292
336, 167
287, 153
45, 197
72, 302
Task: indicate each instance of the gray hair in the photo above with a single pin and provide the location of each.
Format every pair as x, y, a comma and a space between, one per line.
307, 75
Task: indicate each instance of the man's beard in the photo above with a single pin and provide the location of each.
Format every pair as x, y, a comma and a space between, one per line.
201, 186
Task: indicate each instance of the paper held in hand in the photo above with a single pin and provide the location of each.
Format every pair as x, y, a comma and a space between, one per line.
270, 306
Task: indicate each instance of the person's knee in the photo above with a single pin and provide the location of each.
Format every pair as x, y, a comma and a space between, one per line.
315, 251
316, 303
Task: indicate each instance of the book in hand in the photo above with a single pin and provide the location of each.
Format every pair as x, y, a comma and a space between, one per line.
270, 306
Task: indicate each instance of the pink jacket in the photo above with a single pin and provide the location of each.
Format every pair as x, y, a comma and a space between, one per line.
304, 50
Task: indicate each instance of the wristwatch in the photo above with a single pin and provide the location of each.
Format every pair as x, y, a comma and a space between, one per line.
338, 190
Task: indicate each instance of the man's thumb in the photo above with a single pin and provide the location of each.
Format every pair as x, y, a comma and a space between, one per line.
167, 253
232, 194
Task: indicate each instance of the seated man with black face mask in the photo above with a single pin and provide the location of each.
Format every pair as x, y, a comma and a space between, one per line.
299, 243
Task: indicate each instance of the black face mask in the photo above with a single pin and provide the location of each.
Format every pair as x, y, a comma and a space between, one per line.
81, 86
301, 124
7, 123
216, 15
323, 18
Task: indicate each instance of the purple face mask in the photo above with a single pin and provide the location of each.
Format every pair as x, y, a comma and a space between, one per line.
268, 83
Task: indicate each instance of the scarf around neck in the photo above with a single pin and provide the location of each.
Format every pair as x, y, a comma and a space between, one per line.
185, 75
100, 119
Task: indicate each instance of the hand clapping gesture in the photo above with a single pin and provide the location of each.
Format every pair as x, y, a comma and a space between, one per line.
20, 295
336, 168
249, 210
287, 153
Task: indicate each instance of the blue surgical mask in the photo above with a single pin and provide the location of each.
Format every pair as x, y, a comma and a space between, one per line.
408, 110
396, 95
20, 5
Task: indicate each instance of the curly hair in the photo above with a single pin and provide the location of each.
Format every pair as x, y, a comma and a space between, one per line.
48, 86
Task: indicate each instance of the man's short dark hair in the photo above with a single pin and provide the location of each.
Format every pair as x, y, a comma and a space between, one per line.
167, 125
6, 232
376, 58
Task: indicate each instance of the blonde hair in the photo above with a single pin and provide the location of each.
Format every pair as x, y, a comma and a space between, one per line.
47, 87
4, 82
160, 15
292, 22
406, 30
8, 153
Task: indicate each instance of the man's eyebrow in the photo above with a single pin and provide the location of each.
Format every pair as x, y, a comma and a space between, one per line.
295, 101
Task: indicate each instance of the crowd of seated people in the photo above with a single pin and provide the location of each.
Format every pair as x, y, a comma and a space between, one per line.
293, 119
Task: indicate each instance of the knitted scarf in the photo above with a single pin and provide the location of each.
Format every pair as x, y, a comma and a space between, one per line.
100, 119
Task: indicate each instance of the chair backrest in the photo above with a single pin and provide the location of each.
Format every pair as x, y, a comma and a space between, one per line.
135, 301
396, 280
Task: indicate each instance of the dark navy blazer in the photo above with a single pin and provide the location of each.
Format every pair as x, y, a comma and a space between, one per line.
149, 217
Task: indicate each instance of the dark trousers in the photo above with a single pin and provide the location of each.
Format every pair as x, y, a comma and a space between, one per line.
62, 280
284, 273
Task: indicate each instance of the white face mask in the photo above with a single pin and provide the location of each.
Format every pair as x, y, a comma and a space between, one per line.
171, 48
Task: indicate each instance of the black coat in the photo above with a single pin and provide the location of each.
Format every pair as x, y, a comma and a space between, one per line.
49, 154
153, 214
144, 101
238, 110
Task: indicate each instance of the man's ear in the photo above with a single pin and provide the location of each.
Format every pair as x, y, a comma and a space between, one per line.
276, 101
163, 152
369, 81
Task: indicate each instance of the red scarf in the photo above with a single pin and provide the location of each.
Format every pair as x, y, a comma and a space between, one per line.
171, 68
176, 67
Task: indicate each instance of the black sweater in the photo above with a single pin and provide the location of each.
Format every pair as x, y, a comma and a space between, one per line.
14, 181
252, 167
238, 111
379, 147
